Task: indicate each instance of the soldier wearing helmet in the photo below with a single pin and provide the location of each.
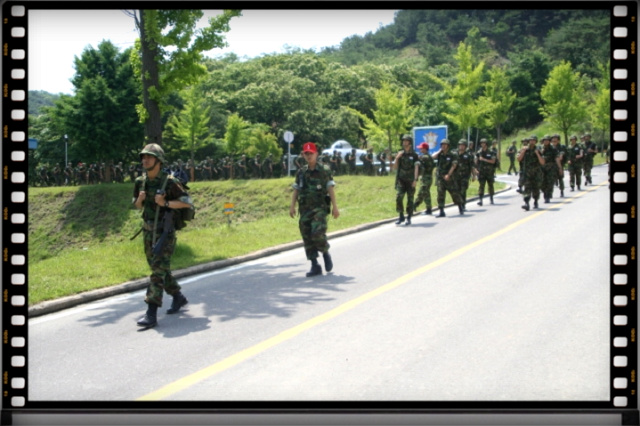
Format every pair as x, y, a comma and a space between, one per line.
156, 193
575, 156
590, 151
426, 178
531, 168
485, 163
446, 181
407, 163
552, 167
465, 171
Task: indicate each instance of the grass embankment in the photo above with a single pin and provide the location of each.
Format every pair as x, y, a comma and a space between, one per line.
79, 237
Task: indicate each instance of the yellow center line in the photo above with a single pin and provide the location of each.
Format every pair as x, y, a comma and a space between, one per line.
289, 334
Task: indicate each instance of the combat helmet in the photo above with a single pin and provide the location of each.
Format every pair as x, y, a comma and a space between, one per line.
155, 150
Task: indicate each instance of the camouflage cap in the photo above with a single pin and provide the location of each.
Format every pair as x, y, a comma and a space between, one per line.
463, 142
573, 137
483, 140
534, 137
545, 138
444, 141
407, 137
155, 150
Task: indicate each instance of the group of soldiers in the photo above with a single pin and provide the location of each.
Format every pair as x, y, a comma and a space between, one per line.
541, 169
81, 174
454, 169
208, 169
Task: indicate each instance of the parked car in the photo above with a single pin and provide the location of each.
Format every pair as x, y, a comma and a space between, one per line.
345, 148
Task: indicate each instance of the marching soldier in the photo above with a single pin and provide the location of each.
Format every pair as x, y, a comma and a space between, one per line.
313, 185
447, 163
426, 178
485, 163
158, 191
511, 153
551, 168
590, 151
562, 152
465, 170
575, 155
407, 165
532, 162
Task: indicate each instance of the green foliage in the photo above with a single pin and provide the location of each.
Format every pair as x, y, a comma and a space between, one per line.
191, 125
39, 99
235, 136
100, 119
563, 95
497, 99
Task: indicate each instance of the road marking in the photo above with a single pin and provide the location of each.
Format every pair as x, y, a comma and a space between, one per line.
257, 349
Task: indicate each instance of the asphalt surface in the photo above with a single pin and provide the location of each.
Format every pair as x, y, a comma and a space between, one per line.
497, 304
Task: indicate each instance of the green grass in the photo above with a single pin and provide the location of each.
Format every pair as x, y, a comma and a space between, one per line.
79, 237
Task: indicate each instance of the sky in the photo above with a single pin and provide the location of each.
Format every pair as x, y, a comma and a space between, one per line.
57, 36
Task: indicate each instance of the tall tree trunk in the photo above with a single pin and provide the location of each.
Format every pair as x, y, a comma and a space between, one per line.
150, 78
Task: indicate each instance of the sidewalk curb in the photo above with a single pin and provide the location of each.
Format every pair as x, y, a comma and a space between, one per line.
67, 302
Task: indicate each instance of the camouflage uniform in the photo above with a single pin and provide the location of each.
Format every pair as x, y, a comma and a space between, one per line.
562, 151
161, 277
511, 153
427, 165
445, 162
267, 167
463, 172
312, 186
532, 171
404, 181
486, 171
590, 150
575, 157
550, 168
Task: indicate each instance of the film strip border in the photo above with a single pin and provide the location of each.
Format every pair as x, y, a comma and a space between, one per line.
624, 197
623, 183
14, 205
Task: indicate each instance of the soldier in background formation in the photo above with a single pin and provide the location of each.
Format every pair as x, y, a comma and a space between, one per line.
485, 164
532, 162
550, 169
511, 153
447, 163
465, 171
426, 178
407, 164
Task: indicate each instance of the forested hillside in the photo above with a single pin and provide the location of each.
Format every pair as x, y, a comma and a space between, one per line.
455, 67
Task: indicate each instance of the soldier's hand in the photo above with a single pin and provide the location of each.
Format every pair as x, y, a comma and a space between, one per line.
159, 199
141, 196
292, 211
336, 213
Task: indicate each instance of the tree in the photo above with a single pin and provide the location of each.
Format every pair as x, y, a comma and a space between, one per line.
168, 57
563, 98
600, 113
464, 109
392, 117
100, 120
191, 125
497, 101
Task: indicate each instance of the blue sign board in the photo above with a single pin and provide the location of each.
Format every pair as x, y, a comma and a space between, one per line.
431, 135
33, 143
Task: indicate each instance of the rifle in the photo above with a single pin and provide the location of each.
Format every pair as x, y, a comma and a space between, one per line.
167, 227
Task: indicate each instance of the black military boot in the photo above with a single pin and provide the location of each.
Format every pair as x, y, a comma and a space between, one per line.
562, 193
441, 213
535, 204
316, 269
526, 204
400, 219
461, 208
178, 302
491, 198
328, 263
428, 211
480, 200
408, 222
150, 318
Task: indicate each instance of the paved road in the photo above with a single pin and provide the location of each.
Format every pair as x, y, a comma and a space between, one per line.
498, 304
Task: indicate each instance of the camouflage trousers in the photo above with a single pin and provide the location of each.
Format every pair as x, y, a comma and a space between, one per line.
512, 165
588, 165
463, 187
549, 177
488, 179
575, 175
313, 228
424, 194
161, 278
452, 186
532, 184
404, 187
560, 180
